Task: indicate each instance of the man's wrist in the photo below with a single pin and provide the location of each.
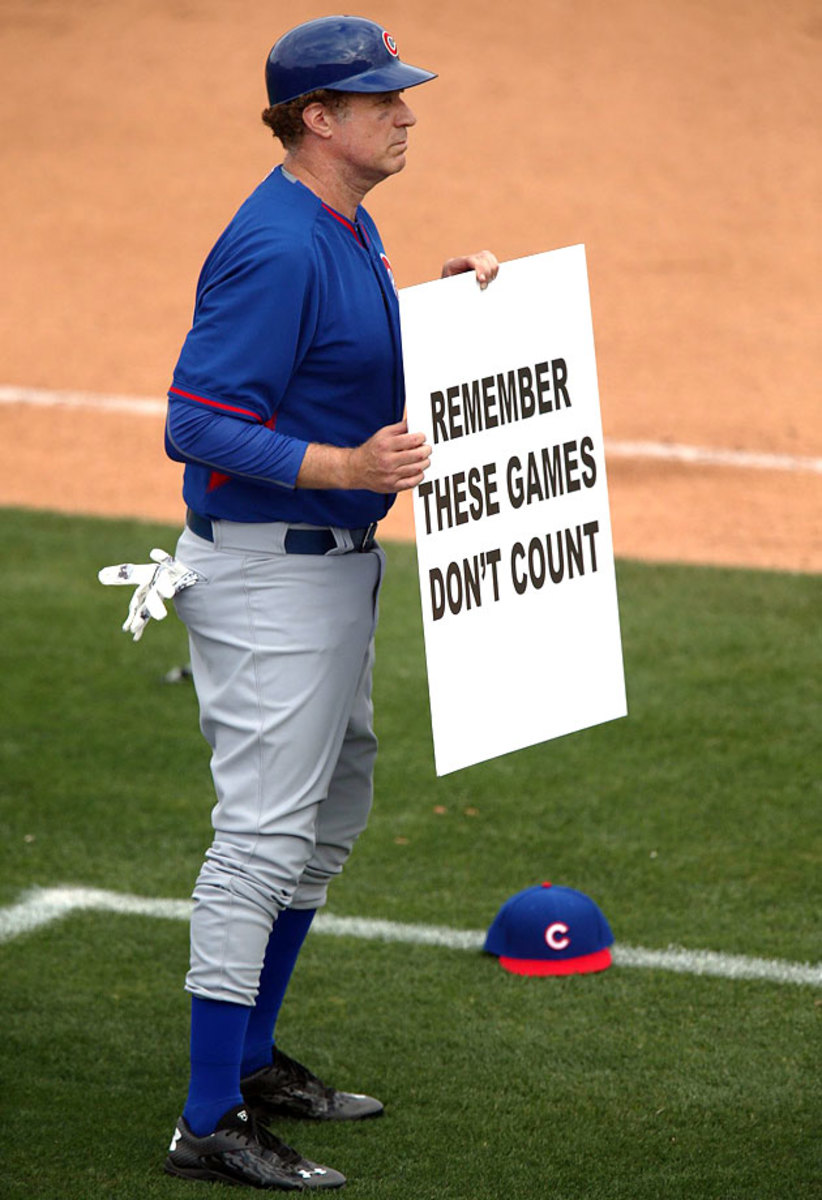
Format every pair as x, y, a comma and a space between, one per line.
326, 467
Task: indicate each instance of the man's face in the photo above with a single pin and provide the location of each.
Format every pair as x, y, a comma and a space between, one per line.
371, 134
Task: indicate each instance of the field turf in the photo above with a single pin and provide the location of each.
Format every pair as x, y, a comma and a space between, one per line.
694, 822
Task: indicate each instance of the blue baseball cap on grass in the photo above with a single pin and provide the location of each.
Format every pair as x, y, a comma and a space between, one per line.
550, 930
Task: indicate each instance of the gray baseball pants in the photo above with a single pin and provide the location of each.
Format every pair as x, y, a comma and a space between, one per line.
282, 649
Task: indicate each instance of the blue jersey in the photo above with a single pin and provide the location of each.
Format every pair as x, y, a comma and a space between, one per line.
295, 339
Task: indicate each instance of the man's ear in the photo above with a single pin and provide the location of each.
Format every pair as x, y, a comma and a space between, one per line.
315, 119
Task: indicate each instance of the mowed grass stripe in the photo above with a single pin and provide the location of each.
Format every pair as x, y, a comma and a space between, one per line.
41, 906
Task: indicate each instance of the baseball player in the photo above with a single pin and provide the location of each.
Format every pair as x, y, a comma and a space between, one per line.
287, 408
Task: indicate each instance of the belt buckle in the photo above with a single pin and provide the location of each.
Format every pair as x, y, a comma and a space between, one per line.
368, 539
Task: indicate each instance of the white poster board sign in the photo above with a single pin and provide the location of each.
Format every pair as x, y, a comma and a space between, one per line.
513, 529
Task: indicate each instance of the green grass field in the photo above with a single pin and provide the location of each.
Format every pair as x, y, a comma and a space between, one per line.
694, 822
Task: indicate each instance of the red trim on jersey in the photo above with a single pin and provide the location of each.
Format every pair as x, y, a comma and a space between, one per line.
246, 412
343, 221
216, 480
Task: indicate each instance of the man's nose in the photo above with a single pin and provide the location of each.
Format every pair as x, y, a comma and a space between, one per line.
405, 116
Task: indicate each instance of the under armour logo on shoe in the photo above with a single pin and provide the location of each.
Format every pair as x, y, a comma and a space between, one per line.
242, 1115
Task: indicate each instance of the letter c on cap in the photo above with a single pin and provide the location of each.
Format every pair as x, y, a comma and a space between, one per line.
556, 936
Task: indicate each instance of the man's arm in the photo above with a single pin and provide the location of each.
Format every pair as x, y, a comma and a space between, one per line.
392, 460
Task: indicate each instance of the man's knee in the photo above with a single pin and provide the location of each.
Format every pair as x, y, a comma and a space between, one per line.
256, 870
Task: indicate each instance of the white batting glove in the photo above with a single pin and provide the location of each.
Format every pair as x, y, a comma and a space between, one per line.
154, 583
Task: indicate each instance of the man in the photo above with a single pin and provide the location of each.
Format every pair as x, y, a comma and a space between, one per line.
287, 408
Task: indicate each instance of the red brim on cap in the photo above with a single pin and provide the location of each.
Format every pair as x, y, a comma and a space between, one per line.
586, 964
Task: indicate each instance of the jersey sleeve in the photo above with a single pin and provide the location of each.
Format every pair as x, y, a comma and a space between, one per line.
256, 312
228, 445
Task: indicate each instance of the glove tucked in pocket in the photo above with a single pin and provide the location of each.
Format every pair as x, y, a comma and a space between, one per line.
154, 583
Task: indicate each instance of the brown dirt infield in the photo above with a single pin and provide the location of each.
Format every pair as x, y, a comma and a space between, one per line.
678, 141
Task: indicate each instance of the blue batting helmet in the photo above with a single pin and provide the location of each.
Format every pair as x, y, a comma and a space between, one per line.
342, 54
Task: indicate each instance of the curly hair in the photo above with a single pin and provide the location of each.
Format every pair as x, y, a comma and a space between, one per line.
286, 120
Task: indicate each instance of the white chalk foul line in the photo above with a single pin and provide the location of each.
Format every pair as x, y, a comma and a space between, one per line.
43, 398
704, 456
42, 906
697, 456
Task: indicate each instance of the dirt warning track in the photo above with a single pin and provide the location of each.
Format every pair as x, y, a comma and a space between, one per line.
677, 142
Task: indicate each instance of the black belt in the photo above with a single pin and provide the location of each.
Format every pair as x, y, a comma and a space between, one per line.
297, 541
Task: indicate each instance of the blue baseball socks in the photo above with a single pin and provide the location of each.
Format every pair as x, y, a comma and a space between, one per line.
218, 1031
229, 1041
284, 945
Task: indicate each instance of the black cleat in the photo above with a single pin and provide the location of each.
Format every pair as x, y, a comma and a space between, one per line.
240, 1151
288, 1089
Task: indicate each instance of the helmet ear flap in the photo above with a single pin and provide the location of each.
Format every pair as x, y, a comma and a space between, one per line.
346, 54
